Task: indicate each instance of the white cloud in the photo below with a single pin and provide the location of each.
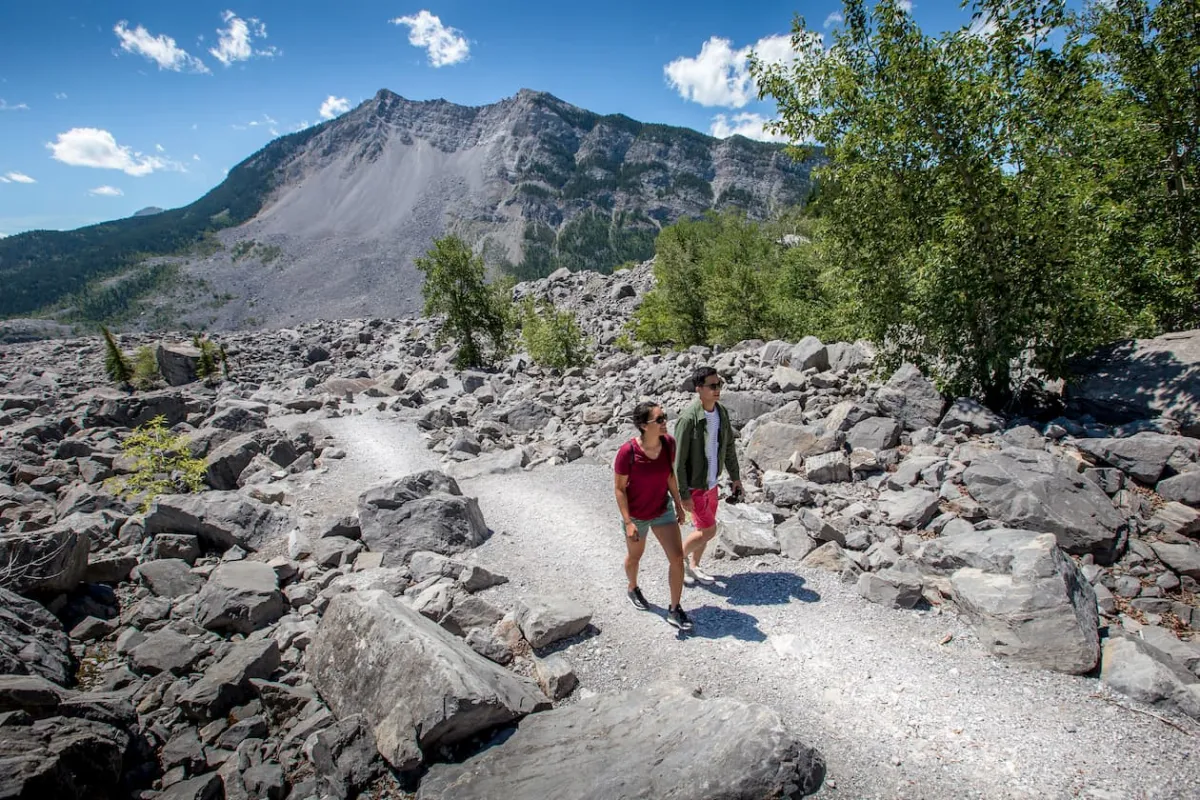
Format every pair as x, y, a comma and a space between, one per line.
92, 147
4, 179
234, 41
18, 177
195, 157
752, 126
835, 18
444, 44
60, 95
18, 107
333, 107
159, 148
162, 49
905, 5
720, 75
106, 191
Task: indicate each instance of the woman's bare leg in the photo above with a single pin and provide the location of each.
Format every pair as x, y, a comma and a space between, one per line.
633, 555
672, 544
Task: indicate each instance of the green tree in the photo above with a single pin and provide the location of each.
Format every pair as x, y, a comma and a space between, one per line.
478, 316
1145, 145
116, 363
145, 368
552, 337
952, 207
162, 464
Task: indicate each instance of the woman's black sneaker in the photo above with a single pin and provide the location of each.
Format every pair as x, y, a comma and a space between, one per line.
679, 619
639, 602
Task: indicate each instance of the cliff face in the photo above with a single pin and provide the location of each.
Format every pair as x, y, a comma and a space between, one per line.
533, 182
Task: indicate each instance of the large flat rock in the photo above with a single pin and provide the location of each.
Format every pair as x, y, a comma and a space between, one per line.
32, 640
219, 519
423, 511
417, 685
656, 742
1033, 490
1139, 378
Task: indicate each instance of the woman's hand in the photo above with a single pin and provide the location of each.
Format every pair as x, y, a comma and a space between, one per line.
631, 530
680, 513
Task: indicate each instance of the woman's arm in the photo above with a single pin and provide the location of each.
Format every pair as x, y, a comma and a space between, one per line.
620, 487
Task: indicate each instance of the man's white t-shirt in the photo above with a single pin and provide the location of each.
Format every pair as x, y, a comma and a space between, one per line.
713, 418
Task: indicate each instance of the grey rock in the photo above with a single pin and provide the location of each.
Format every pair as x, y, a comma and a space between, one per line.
828, 468
345, 756
973, 415
912, 508
240, 597
177, 363
526, 416
1175, 518
1183, 488
1142, 378
544, 620
809, 353
495, 463
668, 743
334, 551
424, 511
470, 613
220, 519
167, 651
1144, 456
43, 562
169, 577
874, 433
265, 781
555, 676
183, 546
1135, 668
1043, 613
109, 569
1035, 491
786, 490
773, 444
891, 588
991, 551
205, 787
32, 640
184, 749
746, 530
63, 759
911, 398
227, 683
1182, 559
417, 685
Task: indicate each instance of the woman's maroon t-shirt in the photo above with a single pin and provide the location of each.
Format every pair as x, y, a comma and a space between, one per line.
647, 487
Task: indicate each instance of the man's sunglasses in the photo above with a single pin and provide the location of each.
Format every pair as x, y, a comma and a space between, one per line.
716, 387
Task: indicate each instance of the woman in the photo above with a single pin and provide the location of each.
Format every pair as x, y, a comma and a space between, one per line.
644, 479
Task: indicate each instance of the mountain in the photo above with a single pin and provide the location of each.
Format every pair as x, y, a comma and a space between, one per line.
326, 222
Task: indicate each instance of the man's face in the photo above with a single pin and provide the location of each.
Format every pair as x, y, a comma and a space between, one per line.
711, 388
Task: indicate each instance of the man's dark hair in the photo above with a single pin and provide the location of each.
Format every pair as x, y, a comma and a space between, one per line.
641, 414
701, 375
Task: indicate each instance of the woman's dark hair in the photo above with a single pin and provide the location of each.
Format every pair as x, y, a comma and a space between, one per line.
641, 414
701, 375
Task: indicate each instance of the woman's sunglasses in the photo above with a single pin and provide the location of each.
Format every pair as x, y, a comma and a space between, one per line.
661, 419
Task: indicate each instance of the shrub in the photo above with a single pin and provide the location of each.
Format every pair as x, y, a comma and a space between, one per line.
116, 363
478, 316
212, 358
552, 337
145, 368
162, 464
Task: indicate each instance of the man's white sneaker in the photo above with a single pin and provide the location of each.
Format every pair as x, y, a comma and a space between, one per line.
697, 574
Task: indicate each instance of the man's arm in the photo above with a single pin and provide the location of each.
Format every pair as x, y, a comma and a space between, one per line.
683, 443
731, 459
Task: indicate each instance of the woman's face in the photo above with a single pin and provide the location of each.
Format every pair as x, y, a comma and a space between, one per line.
657, 422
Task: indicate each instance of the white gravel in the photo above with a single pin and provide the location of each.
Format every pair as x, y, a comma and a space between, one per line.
895, 713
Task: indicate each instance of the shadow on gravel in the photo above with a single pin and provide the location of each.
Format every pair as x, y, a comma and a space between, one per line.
761, 588
713, 622
562, 644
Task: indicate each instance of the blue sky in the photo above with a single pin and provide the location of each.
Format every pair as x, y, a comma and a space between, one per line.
109, 107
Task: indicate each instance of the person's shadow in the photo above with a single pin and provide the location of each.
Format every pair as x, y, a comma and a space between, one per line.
761, 588
714, 622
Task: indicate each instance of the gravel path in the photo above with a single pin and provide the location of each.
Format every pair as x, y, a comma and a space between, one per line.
896, 713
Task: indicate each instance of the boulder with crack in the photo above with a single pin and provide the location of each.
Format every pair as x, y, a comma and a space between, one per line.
666, 742
417, 685
423, 511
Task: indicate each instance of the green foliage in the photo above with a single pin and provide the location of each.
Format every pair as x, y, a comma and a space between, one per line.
594, 240
724, 279
116, 363
162, 464
968, 173
479, 316
145, 368
213, 359
552, 337
249, 248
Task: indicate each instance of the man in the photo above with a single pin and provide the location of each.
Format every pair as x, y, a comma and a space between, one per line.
704, 446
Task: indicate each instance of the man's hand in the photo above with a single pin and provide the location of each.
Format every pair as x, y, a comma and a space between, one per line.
688, 506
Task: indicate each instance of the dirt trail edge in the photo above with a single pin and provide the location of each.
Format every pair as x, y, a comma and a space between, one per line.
896, 713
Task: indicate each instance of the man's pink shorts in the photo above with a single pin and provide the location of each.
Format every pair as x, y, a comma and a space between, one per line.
704, 508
